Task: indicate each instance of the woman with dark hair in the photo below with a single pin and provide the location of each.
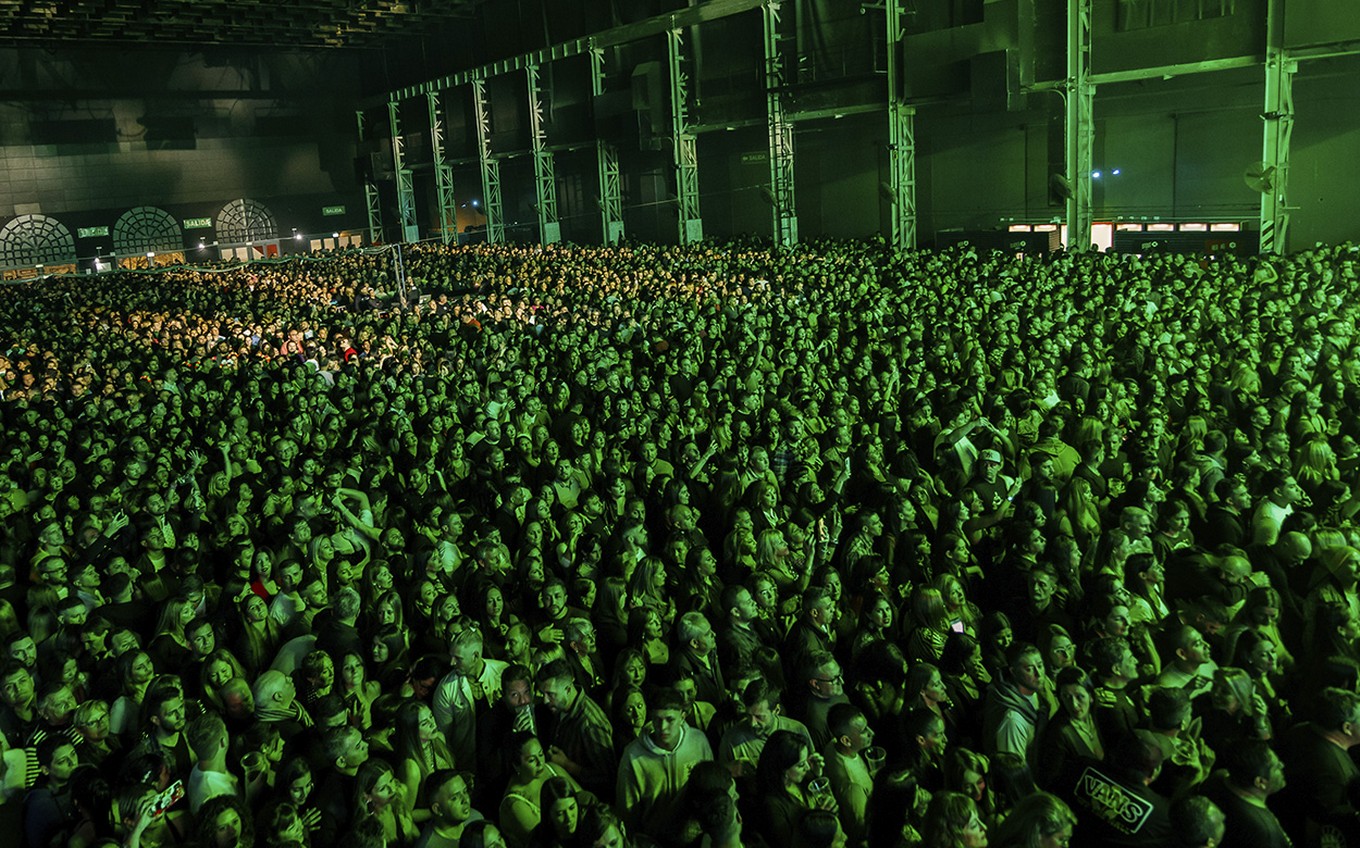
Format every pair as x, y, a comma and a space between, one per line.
646, 632
1256, 654
952, 821
630, 670
966, 771
381, 797
966, 676
820, 829
1261, 612
281, 824
481, 834
784, 786
925, 689
931, 625
1235, 711
1072, 734
561, 805
356, 690
294, 785
1013, 781
520, 810
1145, 580
1039, 821
995, 637
389, 656
609, 612
628, 714
709, 783
876, 623
136, 670
495, 622
92, 801
421, 750
897, 810
259, 634
170, 647
225, 822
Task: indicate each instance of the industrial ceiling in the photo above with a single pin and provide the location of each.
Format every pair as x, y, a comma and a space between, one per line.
287, 24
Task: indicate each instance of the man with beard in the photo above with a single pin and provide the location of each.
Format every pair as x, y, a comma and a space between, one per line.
743, 742
581, 737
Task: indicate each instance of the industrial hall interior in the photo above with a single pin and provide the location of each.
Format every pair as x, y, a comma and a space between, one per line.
679, 424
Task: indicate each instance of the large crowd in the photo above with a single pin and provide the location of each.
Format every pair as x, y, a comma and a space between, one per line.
695, 547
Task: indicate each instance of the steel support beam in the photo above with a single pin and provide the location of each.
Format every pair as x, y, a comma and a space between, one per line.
780, 129
491, 169
901, 138
1079, 124
545, 178
1178, 69
691, 16
684, 143
607, 163
443, 174
372, 199
1278, 119
406, 193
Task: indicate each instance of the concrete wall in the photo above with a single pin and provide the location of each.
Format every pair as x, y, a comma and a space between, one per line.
86, 135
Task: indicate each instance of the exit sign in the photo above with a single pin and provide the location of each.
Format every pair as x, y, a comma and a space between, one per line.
197, 223
91, 232
332, 210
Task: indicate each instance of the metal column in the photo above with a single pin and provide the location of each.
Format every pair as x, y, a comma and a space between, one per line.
491, 169
781, 134
683, 140
443, 174
607, 162
901, 139
1079, 124
406, 193
545, 180
372, 199
1279, 127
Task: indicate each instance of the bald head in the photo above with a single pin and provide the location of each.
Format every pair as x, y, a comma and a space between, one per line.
1294, 546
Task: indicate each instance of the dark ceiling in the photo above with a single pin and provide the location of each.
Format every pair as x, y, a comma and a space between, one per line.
273, 23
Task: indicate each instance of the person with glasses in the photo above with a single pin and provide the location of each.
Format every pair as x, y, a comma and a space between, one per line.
825, 688
96, 744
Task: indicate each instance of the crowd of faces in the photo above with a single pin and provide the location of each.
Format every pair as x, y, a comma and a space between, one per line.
949, 440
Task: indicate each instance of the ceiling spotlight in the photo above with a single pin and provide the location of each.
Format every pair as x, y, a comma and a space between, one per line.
1095, 175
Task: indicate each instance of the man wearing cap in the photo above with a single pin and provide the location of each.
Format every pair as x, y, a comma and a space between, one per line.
994, 488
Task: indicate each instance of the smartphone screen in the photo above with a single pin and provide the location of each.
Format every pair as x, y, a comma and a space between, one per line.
172, 795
